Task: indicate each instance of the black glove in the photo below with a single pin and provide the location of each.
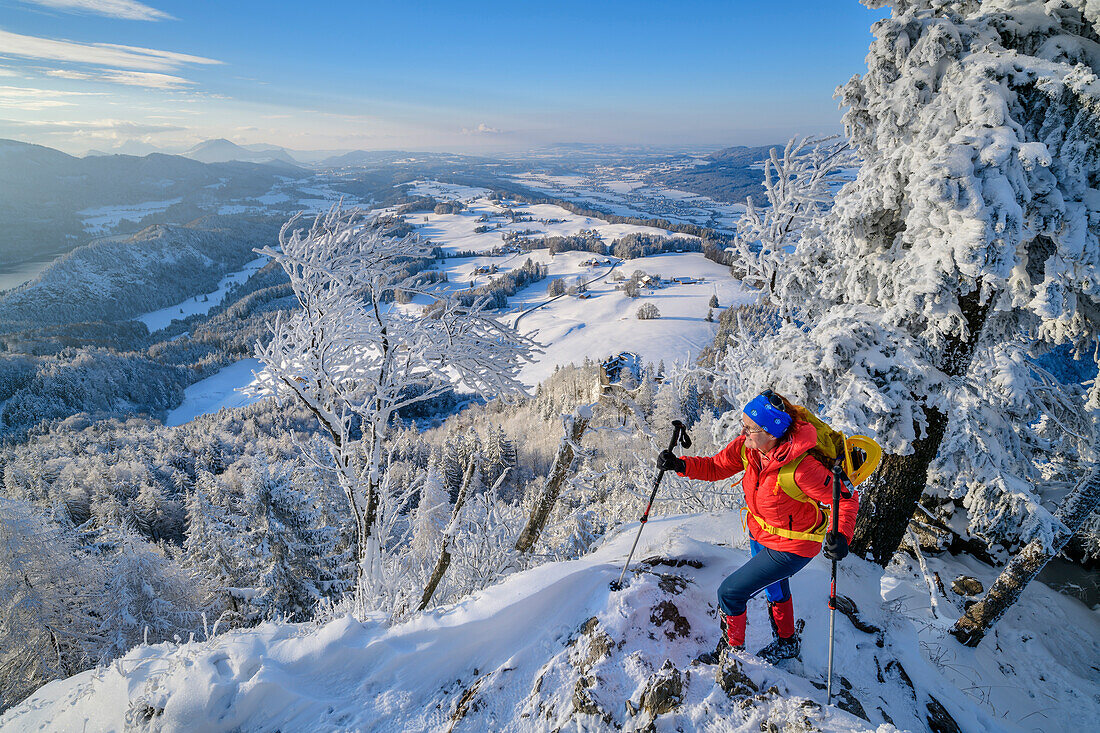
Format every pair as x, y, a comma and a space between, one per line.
836, 546
667, 461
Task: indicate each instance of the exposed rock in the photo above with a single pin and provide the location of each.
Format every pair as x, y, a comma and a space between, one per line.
599, 645
582, 698
964, 585
732, 679
664, 691
672, 584
896, 673
847, 606
939, 720
668, 617
598, 648
848, 702
672, 563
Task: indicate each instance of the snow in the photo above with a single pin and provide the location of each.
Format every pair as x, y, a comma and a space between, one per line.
105, 218
455, 232
605, 324
570, 328
200, 304
625, 194
215, 392
511, 657
446, 191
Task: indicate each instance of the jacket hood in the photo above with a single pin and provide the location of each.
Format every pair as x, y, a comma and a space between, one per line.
802, 438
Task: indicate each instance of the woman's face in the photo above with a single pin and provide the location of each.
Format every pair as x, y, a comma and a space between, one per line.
756, 437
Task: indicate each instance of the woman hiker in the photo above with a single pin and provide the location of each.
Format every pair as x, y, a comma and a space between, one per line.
785, 522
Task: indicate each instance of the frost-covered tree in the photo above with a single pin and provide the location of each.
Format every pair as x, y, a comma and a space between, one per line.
967, 243
798, 188
431, 517
292, 551
354, 360
214, 548
48, 595
147, 595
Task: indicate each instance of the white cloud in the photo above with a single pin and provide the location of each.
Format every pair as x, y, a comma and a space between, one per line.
107, 128
124, 9
5, 71
32, 100
96, 54
481, 129
148, 79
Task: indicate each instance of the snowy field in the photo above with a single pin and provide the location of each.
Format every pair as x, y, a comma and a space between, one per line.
215, 392
103, 220
290, 196
605, 324
525, 654
571, 328
455, 232
200, 304
626, 194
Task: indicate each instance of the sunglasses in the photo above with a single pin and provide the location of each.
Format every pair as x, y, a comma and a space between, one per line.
773, 399
746, 430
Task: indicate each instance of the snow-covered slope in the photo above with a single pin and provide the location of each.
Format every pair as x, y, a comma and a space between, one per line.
215, 392
553, 648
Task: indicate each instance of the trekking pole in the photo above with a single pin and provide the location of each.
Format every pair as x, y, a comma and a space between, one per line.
679, 435
839, 479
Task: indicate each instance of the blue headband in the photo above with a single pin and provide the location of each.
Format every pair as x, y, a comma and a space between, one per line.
768, 416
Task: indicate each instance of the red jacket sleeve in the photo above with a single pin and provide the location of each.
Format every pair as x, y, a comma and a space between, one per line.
726, 463
817, 483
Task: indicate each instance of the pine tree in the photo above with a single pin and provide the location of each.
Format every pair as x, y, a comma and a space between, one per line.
289, 546
213, 547
666, 407
431, 516
968, 229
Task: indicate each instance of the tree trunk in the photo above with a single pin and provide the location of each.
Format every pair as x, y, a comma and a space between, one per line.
1075, 510
444, 560
887, 504
575, 426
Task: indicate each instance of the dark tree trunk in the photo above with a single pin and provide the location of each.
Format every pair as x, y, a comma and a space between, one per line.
1075, 510
563, 462
887, 504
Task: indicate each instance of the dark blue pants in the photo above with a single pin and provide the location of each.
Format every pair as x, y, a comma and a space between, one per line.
766, 568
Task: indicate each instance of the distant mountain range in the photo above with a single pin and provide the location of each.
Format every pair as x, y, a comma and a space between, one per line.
224, 151
45, 192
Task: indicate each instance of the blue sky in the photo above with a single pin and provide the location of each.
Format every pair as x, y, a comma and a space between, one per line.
80, 74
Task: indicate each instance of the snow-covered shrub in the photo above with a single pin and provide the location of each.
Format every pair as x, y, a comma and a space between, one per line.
648, 311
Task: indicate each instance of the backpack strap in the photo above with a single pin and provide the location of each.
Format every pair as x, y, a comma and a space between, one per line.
790, 487
817, 534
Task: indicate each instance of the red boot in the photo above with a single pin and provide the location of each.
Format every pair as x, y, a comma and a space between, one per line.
735, 630
733, 636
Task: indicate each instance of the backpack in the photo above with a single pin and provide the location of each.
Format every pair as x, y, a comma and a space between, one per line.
859, 457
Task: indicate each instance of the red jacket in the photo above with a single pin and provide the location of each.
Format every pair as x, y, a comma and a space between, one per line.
766, 500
